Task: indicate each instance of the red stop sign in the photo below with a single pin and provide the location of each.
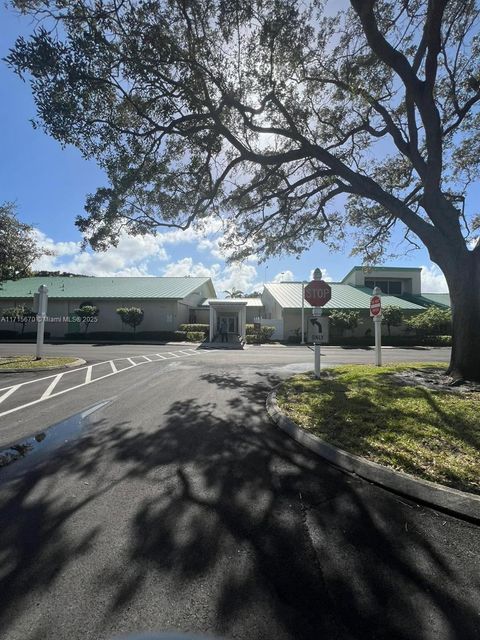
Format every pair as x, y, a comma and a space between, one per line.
318, 293
375, 306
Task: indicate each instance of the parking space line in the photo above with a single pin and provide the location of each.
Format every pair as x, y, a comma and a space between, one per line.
55, 378
51, 386
9, 392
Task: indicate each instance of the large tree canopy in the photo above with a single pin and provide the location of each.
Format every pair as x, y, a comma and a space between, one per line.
18, 246
293, 121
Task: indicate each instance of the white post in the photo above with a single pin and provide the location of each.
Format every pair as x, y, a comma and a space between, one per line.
210, 336
302, 341
378, 341
42, 313
377, 323
317, 360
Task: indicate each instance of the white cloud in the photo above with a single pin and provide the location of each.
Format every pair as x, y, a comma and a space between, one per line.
129, 258
284, 276
433, 280
186, 267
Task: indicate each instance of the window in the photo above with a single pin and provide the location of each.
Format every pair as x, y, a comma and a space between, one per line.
389, 287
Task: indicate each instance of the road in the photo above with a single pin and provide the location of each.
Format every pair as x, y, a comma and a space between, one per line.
176, 505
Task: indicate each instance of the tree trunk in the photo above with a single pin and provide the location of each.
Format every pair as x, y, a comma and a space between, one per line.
464, 285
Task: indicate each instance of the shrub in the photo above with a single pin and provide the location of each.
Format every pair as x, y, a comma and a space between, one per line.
87, 313
131, 316
195, 336
179, 336
433, 321
252, 339
250, 329
392, 316
266, 333
195, 327
341, 320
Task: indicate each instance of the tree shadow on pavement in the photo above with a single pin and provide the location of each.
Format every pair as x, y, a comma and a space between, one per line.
283, 545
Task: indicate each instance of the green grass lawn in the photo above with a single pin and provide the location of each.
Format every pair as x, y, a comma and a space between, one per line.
29, 362
431, 434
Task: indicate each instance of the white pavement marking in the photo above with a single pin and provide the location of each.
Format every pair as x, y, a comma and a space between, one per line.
55, 378
9, 392
51, 387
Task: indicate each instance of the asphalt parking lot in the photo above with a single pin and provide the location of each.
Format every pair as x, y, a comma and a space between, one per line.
162, 498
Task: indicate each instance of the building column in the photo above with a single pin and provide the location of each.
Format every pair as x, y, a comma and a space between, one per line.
243, 321
211, 323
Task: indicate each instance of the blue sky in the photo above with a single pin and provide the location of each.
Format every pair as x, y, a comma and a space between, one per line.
49, 184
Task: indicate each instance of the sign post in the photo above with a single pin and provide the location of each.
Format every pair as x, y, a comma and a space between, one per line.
317, 293
41, 309
376, 314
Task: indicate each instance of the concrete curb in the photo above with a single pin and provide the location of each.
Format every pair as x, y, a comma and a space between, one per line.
76, 363
436, 495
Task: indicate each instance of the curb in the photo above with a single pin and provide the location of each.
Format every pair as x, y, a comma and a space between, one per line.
456, 502
76, 363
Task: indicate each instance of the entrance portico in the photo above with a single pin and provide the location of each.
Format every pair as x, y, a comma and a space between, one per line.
233, 313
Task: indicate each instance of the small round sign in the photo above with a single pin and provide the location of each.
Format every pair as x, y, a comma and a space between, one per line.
375, 306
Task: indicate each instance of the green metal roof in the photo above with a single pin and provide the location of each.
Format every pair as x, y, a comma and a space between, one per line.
102, 288
344, 296
429, 299
373, 270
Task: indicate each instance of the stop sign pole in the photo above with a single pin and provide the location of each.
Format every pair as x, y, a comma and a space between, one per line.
317, 293
376, 314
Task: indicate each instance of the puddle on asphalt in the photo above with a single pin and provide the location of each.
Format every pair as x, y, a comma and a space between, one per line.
28, 452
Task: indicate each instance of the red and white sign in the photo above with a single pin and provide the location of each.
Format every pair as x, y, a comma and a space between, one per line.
375, 306
318, 293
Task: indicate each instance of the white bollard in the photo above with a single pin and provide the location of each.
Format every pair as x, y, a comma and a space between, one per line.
377, 321
41, 316
317, 360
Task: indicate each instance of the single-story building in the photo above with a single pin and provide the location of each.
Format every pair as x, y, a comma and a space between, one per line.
169, 302
166, 302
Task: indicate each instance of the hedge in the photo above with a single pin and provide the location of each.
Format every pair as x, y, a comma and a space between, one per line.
195, 336
195, 328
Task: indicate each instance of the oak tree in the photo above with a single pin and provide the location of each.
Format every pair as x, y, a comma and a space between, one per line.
293, 123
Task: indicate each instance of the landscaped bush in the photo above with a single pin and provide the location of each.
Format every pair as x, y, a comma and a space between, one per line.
195, 327
266, 333
179, 336
258, 337
195, 336
433, 321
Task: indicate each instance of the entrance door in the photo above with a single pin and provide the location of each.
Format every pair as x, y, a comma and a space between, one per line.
231, 322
